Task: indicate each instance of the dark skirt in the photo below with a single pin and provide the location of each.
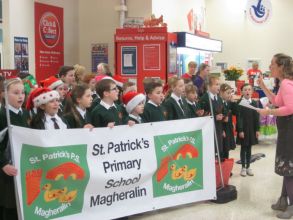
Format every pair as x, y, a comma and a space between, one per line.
7, 192
284, 151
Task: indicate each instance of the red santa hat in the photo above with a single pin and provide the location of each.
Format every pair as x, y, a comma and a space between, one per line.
52, 82
41, 96
132, 99
99, 78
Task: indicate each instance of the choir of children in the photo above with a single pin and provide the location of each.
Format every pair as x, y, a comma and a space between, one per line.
94, 102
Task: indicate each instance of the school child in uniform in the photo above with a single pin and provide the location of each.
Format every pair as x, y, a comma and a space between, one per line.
176, 106
67, 75
217, 108
107, 113
19, 117
54, 83
76, 113
153, 110
191, 99
247, 125
134, 105
89, 79
229, 109
46, 101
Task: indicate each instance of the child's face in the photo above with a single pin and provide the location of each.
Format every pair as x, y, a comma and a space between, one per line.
247, 92
191, 96
179, 88
113, 93
86, 100
62, 90
92, 84
226, 95
51, 108
69, 78
215, 87
157, 96
16, 95
138, 109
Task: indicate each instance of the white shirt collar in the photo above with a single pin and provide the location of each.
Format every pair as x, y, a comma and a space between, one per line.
106, 105
151, 102
191, 103
49, 124
138, 118
175, 97
248, 100
213, 96
15, 110
81, 112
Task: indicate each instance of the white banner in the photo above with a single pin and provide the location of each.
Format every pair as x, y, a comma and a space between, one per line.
108, 173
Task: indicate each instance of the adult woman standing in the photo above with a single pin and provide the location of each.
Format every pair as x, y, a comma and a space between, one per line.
282, 68
200, 78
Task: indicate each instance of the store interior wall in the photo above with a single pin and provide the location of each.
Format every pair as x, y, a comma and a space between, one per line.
98, 21
18, 21
243, 40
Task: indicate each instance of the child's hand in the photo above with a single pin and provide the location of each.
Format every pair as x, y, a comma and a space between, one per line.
224, 134
241, 134
90, 126
9, 170
257, 134
200, 112
226, 119
219, 117
131, 123
111, 125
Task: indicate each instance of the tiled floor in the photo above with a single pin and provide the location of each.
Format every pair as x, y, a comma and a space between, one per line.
255, 194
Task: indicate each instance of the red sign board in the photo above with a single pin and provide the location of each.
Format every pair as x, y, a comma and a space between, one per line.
7, 74
49, 40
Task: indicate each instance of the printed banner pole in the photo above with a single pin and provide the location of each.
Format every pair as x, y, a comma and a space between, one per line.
11, 149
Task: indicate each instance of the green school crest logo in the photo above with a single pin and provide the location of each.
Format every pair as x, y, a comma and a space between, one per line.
53, 180
179, 161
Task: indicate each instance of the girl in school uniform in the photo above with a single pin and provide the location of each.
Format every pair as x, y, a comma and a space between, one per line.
247, 124
46, 101
76, 113
176, 106
229, 109
19, 117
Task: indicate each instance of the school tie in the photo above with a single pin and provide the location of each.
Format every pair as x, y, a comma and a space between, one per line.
56, 126
19, 113
181, 105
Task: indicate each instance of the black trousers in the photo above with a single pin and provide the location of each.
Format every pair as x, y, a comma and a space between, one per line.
287, 189
8, 214
245, 155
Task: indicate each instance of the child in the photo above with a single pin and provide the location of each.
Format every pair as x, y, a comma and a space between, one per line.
134, 105
247, 129
56, 84
79, 73
19, 117
229, 109
191, 98
46, 101
176, 106
217, 108
90, 80
66, 74
76, 114
153, 111
106, 113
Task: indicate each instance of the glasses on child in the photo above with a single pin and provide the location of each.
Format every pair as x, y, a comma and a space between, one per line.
114, 89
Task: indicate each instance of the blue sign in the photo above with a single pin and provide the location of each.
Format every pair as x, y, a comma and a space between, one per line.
129, 60
99, 55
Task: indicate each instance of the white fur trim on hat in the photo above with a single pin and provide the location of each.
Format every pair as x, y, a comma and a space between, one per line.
45, 98
134, 102
55, 84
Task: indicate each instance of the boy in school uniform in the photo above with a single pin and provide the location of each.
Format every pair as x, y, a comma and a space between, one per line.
107, 113
153, 110
217, 108
191, 98
176, 106
134, 105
